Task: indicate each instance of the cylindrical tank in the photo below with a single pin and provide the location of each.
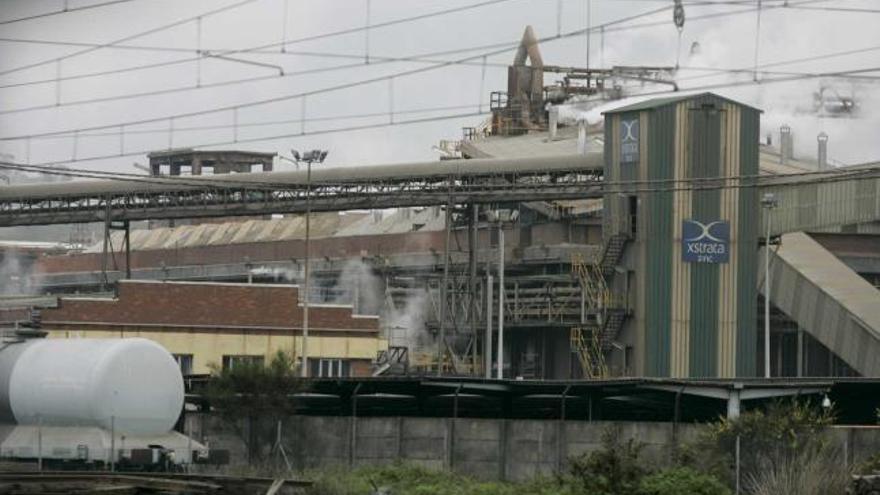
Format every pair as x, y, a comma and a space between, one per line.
133, 383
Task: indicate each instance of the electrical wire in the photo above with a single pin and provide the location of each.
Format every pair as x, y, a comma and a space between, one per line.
199, 86
263, 123
277, 99
286, 43
374, 60
277, 136
777, 64
126, 38
63, 11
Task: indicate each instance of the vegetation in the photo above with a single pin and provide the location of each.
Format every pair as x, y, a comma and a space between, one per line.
784, 449
254, 399
405, 479
682, 480
614, 469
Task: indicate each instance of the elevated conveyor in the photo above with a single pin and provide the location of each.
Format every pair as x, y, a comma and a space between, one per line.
827, 299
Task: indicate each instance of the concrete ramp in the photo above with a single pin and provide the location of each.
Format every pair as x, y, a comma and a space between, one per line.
827, 299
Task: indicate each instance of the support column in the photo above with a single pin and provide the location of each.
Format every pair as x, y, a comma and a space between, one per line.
472, 284
127, 227
800, 352
444, 289
733, 404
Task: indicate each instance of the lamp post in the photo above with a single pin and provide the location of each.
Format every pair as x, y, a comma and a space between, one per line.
768, 202
501, 217
309, 157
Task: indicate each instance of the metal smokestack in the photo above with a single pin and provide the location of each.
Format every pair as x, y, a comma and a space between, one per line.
822, 139
786, 144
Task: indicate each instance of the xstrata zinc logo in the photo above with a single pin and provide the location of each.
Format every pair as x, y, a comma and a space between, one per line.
629, 140
705, 242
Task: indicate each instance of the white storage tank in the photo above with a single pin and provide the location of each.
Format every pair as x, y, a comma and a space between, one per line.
86, 382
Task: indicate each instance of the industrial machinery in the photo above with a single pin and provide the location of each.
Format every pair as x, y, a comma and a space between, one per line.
91, 402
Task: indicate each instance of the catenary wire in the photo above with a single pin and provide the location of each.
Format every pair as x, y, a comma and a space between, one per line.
63, 11
420, 59
141, 34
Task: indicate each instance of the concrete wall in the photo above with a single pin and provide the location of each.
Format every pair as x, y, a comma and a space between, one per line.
482, 448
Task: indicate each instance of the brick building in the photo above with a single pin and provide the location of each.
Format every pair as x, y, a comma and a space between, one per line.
203, 323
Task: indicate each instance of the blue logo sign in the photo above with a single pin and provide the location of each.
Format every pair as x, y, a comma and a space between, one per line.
629, 140
705, 242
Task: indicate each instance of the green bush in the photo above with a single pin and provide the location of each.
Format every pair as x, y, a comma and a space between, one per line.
680, 481
614, 469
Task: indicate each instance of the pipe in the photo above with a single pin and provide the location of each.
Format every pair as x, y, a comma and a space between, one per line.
500, 300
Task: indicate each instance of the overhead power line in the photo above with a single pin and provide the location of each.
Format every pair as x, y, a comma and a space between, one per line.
408, 122
428, 58
325, 118
199, 85
329, 89
63, 11
282, 44
126, 38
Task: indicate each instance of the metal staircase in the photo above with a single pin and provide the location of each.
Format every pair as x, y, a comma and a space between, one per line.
605, 313
611, 254
587, 344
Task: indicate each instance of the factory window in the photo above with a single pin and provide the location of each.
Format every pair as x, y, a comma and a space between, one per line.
230, 362
185, 361
329, 368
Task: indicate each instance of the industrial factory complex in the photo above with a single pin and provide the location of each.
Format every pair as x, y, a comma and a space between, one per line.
654, 258
635, 244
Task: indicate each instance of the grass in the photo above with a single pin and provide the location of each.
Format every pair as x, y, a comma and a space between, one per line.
415, 480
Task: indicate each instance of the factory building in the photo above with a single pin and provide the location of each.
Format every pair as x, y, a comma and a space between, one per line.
206, 324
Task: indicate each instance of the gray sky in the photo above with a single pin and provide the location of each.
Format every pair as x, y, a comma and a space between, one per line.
727, 42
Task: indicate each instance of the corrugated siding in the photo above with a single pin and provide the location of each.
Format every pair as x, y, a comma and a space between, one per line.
813, 206
704, 161
828, 300
681, 279
746, 247
658, 213
727, 280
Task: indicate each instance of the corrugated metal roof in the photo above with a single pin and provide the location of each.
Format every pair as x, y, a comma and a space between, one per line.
659, 102
213, 234
398, 222
537, 144
531, 145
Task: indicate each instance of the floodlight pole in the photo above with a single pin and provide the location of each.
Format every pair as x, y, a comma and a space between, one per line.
308, 157
305, 329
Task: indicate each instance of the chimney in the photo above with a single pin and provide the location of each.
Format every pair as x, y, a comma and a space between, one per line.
582, 137
554, 120
822, 138
786, 144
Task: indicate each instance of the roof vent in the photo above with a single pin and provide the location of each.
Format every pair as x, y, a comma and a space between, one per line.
582, 137
786, 144
553, 121
822, 139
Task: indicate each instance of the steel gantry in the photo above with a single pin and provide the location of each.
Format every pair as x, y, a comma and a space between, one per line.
333, 189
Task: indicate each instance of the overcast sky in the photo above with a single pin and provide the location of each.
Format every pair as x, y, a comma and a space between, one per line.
726, 42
